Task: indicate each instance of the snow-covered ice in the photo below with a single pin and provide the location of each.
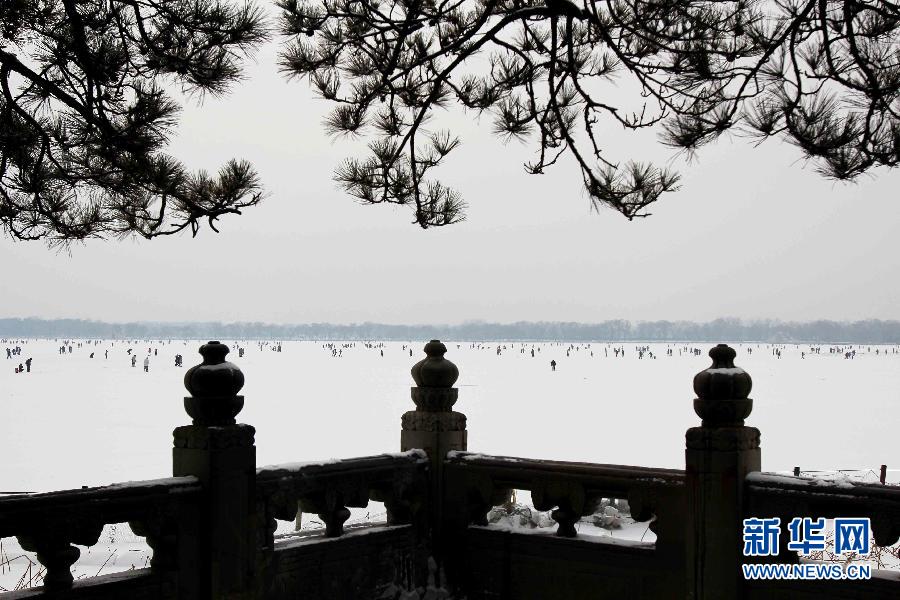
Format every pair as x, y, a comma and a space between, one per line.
77, 421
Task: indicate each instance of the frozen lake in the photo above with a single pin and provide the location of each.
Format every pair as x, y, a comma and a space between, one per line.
76, 420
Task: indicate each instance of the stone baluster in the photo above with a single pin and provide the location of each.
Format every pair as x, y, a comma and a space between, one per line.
57, 555
568, 500
331, 507
222, 455
54, 544
160, 531
719, 455
403, 498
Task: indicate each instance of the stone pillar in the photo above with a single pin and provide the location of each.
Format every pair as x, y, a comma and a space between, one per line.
434, 427
719, 455
221, 453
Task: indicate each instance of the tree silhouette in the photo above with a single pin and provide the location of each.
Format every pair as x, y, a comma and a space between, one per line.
823, 74
84, 118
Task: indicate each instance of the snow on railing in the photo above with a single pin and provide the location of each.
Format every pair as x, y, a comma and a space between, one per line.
570, 489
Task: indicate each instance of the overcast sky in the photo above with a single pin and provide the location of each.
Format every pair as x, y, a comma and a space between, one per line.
753, 233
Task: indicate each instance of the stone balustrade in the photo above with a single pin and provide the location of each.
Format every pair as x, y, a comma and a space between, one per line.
52, 524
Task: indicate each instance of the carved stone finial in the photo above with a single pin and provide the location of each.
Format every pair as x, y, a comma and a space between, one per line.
434, 376
435, 371
214, 385
214, 376
722, 391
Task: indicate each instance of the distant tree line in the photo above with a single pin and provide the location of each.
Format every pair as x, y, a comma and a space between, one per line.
871, 331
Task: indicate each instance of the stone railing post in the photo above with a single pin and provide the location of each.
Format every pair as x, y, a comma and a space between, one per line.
221, 453
434, 427
719, 455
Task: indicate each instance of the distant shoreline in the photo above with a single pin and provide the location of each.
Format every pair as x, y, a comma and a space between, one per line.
872, 331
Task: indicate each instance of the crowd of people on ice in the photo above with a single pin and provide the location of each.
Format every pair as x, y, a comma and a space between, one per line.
129, 347
337, 349
134, 349
17, 351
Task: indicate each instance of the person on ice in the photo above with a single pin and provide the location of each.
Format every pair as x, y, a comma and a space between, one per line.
146, 364
552, 365
133, 359
28, 364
